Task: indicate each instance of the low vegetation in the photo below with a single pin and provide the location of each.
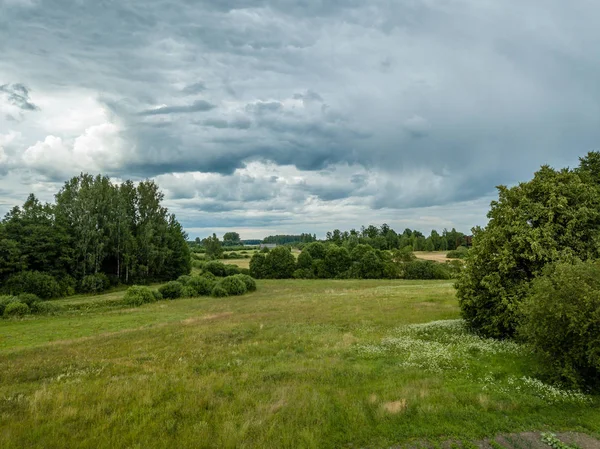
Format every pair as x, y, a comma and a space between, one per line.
297, 364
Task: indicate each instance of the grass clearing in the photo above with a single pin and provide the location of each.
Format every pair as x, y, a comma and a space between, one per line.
298, 364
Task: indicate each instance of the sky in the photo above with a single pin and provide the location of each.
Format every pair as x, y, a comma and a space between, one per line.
282, 116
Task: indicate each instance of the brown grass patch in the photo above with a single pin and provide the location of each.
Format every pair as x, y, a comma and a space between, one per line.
395, 407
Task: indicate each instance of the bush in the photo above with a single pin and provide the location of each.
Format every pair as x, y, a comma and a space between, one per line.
245, 271
233, 286
67, 285
280, 263
94, 283
28, 298
248, 281
40, 284
202, 285
208, 275
231, 270
16, 309
561, 320
157, 295
43, 308
219, 292
4, 301
137, 295
303, 273
188, 292
171, 290
198, 264
215, 267
258, 268
184, 279
458, 253
425, 269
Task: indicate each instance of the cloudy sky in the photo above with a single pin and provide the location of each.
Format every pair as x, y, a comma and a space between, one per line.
284, 116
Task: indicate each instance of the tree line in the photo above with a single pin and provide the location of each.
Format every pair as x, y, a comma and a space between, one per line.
97, 233
385, 238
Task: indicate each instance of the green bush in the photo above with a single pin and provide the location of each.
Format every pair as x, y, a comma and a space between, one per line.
171, 290
40, 284
157, 295
94, 283
184, 279
248, 280
208, 275
245, 271
43, 308
136, 295
561, 320
303, 273
188, 292
458, 253
231, 270
28, 298
233, 285
219, 292
202, 286
4, 301
215, 267
280, 263
258, 266
16, 308
425, 269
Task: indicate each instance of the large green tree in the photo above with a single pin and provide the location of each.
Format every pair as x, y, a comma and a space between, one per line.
553, 217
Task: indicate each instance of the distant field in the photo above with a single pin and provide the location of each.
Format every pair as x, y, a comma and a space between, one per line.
298, 364
437, 256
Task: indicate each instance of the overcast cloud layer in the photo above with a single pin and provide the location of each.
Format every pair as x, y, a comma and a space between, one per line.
288, 116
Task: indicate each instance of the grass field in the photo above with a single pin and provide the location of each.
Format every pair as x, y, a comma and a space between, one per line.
298, 364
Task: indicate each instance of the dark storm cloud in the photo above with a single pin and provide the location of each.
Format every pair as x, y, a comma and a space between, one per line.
437, 101
18, 95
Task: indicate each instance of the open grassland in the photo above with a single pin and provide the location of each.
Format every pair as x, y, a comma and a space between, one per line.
298, 364
436, 256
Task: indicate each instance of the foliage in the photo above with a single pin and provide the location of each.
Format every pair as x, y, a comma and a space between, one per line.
28, 298
137, 295
458, 253
202, 285
188, 292
305, 260
215, 267
231, 270
43, 308
6, 300
95, 227
258, 266
16, 308
208, 275
231, 239
184, 279
94, 283
279, 263
248, 281
233, 285
287, 239
157, 295
561, 320
213, 247
554, 217
303, 273
171, 290
35, 282
425, 269
219, 291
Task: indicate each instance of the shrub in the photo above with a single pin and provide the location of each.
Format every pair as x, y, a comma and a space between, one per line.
258, 268
67, 285
171, 290
43, 308
370, 265
245, 271
458, 253
219, 292
231, 270
202, 285
137, 295
215, 267
188, 292
4, 301
40, 284
28, 298
157, 295
425, 269
198, 264
16, 309
184, 279
233, 286
305, 260
94, 283
209, 275
248, 281
303, 273
561, 319
280, 263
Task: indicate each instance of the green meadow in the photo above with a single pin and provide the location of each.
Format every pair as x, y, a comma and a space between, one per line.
297, 364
